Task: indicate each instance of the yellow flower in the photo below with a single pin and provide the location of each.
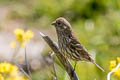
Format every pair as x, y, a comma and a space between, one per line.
117, 72
22, 44
19, 33
28, 35
112, 64
118, 59
11, 71
6, 67
13, 44
1, 77
22, 37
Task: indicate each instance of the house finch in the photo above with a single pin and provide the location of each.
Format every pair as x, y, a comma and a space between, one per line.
69, 46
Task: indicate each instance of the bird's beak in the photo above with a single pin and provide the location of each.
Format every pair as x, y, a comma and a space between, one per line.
53, 23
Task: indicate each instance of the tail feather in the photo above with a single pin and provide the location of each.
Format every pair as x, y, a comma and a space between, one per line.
98, 66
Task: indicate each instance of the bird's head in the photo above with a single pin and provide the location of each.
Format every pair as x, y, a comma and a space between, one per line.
61, 24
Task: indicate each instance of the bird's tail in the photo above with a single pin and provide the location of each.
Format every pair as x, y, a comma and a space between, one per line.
98, 66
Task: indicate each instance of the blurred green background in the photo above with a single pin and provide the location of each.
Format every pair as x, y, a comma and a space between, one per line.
96, 23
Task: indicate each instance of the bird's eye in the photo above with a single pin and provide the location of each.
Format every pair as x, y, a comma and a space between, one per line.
59, 23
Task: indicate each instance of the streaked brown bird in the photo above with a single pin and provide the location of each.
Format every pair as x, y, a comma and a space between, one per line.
69, 46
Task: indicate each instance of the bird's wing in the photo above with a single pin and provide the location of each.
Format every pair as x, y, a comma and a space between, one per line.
80, 49
76, 44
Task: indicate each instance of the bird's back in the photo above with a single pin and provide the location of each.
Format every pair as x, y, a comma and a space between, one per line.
72, 48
